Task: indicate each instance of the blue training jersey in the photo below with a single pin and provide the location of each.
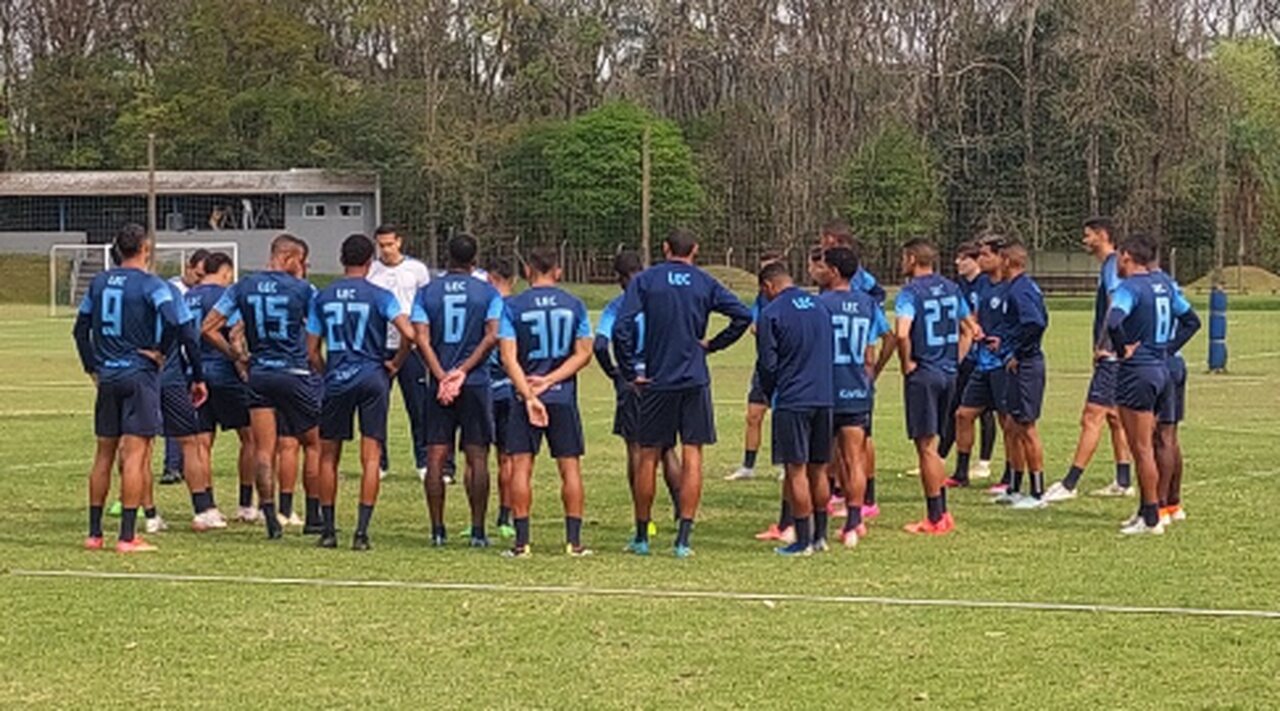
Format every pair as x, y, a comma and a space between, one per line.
128, 310
857, 321
1025, 318
1108, 281
971, 288
177, 369
351, 316
608, 326
935, 307
499, 381
456, 307
274, 307
675, 300
200, 301
863, 281
1144, 307
545, 322
794, 351
991, 299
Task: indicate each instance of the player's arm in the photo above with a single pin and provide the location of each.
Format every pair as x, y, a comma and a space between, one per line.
969, 330
888, 344
481, 353
1121, 304
508, 353
626, 333
216, 320
766, 357
82, 332
603, 340
407, 341
179, 328
904, 312
315, 358
725, 302
422, 338
577, 360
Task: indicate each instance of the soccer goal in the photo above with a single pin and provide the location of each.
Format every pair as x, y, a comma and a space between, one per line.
72, 267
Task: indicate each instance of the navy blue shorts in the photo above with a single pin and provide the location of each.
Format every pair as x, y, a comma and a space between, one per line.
802, 436
227, 407
928, 396
563, 431
841, 420
1139, 386
668, 414
755, 396
128, 405
295, 397
501, 416
1024, 395
1173, 402
369, 394
626, 414
1102, 386
986, 390
471, 413
180, 417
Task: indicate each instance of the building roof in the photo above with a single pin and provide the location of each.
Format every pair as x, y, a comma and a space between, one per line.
172, 182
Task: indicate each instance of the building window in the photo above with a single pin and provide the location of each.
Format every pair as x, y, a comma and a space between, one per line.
313, 210
351, 209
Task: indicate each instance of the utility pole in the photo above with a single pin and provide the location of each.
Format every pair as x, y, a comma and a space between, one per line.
645, 170
151, 186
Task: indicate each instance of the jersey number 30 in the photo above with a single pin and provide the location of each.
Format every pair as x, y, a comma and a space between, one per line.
553, 331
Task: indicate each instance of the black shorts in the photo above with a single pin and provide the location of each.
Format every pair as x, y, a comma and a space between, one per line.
1102, 386
1139, 387
180, 416
626, 414
563, 431
928, 396
369, 394
471, 413
668, 414
755, 396
1173, 402
227, 407
862, 420
128, 405
802, 436
501, 416
295, 397
1024, 395
986, 390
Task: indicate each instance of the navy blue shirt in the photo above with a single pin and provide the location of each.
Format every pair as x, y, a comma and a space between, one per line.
456, 307
351, 316
857, 321
545, 322
991, 298
794, 351
499, 382
971, 288
1025, 318
177, 364
125, 311
274, 307
200, 301
675, 300
604, 335
936, 307
1108, 281
1143, 309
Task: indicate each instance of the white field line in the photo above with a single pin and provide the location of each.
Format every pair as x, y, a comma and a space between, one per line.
656, 593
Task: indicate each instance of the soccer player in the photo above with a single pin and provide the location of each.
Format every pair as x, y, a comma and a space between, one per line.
403, 276
857, 321
285, 405
1171, 409
972, 282
460, 315
501, 274
191, 274
1140, 325
1100, 403
793, 364
626, 413
1024, 323
757, 406
675, 299
350, 318
934, 326
120, 349
545, 340
228, 404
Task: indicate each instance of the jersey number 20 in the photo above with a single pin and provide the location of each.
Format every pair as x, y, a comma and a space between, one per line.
851, 338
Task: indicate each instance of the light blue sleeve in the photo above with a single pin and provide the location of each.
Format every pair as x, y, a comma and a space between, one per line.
313, 319
863, 281
162, 295
233, 318
389, 306
227, 302
184, 312
1122, 300
506, 326
419, 312
496, 308
1180, 303
1110, 276
905, 305
86, 304
963, 311
584, 322
607, 318
879, 324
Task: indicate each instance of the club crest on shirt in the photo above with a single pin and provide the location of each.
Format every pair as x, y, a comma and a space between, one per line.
849, 307
802, 303
545, 301
679, 279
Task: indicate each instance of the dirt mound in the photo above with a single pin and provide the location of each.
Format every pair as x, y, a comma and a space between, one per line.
1249, 280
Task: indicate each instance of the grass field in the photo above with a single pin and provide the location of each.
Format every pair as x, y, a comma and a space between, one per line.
84, 642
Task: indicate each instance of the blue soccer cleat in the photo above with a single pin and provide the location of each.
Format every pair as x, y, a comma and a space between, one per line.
683, 552
637, 547
795, 550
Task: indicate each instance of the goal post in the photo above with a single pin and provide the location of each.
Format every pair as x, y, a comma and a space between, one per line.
73, 266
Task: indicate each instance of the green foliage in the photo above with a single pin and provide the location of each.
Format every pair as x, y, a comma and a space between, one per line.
890, 188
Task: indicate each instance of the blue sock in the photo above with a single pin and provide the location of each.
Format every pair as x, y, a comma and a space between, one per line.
522, 532
642, 530
329, 518
933, 507
784, 515
804, 538
962, 466
286, 503
855, 518
684, 532
749, 458
95, 522
819, 525
128, 524
870, 496
573, 530
1072, 479
246, 495
1124, 475
362, 520
269, 516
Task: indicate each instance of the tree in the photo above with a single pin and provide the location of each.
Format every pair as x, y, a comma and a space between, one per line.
890, 188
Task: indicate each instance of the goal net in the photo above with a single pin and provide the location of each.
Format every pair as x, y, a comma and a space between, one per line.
72, 267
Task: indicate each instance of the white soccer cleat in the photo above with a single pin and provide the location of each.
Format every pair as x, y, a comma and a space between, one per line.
1058, 493
1140, 527
1112, 491
247, 514
156, 525
849, 538
219, 520
448, 480
382, 474
1007, 499
207, 521
1028, 503
741, 474
788, 535
422, 473
982, 471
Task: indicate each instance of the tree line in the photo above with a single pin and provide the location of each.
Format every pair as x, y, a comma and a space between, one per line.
527, 118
